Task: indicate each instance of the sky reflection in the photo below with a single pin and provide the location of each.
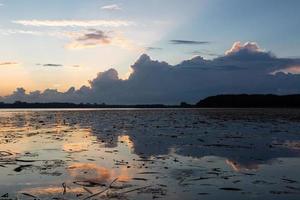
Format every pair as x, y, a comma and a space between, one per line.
182, 153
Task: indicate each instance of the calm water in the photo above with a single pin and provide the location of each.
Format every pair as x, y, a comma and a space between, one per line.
149, 154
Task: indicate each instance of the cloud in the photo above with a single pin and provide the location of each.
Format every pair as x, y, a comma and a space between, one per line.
239, 47
82, 39
153, 48
248, 51
112, 7
188, 42
8, 63
16, 31
153, 81
94, 38
288, 70
52, 65
89, 40
74, 23
204, 52
95, 35
57, 65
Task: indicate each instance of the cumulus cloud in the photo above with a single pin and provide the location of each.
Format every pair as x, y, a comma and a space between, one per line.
248, 46
248, 51
242, 69
74, 23
112, 7
188, 42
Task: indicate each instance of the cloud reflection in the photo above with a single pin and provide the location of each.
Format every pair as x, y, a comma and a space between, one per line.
89, 172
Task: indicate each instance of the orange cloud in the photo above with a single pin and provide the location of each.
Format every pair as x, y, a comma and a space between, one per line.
289, 70
238, 46
89, 172
94, 173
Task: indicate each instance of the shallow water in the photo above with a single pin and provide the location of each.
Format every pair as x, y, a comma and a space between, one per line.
149, 154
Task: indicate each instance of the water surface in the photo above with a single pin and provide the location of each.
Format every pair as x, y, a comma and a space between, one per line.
150, 153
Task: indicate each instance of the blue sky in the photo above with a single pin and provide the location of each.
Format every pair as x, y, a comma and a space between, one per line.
128, 28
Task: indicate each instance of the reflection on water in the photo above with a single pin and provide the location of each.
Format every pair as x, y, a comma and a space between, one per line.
146, 154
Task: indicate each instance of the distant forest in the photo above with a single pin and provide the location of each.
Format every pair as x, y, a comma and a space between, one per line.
251, 101
218, 101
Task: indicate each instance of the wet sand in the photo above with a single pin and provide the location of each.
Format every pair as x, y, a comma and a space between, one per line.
150, 154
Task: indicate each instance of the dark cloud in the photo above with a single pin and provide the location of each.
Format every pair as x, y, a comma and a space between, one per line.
52, 65
245, 68
97, 35
55, 65
188, 42
90, 39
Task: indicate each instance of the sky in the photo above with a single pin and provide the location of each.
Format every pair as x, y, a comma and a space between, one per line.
59, 44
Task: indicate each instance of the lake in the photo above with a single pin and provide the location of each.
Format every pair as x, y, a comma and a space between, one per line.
150, 154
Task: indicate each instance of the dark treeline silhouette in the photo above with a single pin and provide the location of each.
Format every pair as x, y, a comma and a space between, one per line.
251, 101
218, 101
19, 104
